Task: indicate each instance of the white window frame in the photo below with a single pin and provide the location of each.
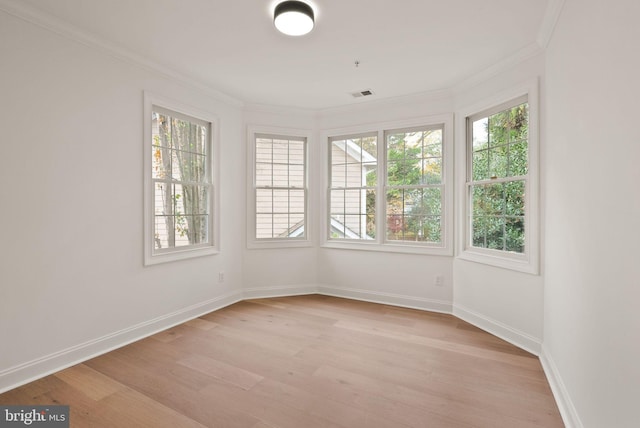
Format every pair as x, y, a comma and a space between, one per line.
380, 243
529, 260
285, 242
151, 256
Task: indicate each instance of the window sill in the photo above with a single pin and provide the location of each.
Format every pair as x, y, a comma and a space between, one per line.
389, 248
516, 262
172, 256
278, 243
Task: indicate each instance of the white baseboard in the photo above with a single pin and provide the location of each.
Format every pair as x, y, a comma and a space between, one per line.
279, 291
32, 370
387, 298
563, 400
516, 337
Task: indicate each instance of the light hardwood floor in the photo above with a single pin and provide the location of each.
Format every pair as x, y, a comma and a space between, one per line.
302, 362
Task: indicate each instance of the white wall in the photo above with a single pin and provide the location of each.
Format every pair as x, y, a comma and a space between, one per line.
592, 293
505, 302
71, 263
282, 271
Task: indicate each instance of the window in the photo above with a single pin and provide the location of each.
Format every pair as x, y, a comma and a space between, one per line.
179, 190
500, 184
279, 189
414, 190
498, 177
354, 172
391, 196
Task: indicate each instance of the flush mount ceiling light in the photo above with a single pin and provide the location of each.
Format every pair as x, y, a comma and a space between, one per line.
293, 18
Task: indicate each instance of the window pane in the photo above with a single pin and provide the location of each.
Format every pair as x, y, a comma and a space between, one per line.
264, 150
337, 202
280, 175
480, 165
433, 229
264, 226
296, 201
264, 175
519, 123
515, 234
518, 159
432, 201
353, 201
480, 134
296, 221
191, 229
339, 175
280, 201
371, 213
161, 162
355, 175
280, 151
498, 161
498, 216
514, 198
354, 167
264, 200
498, 131
296, 176
296, 152
280, 225
163, 198
432, 171
190, 199
164, 231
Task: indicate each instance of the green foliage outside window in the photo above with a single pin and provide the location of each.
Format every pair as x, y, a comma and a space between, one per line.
414, 191
499, 152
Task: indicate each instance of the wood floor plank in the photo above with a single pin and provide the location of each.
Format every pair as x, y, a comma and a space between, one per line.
306, 361
223, 371
92, 383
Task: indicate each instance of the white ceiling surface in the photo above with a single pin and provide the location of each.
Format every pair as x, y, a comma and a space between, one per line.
403, 46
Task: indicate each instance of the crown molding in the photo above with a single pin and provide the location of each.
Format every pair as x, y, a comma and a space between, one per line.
551, 16
48, 22
530, 51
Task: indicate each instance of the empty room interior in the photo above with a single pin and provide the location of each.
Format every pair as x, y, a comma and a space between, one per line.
394, 214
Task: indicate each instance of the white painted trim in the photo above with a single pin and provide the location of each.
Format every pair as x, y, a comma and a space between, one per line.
530, 260
514, 336
47, 21
563, 399
279, 291
400, 300
21, 374
529, 51
551, 16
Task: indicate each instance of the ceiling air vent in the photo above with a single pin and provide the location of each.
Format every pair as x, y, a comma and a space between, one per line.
364, 93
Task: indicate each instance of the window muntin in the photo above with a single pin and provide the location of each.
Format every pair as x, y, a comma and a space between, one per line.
498, 144
414, 185
181, 181
353, 187
280, 187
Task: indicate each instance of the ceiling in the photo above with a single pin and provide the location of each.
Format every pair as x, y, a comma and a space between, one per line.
403, 46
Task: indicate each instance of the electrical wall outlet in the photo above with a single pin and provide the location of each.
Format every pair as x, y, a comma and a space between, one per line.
438, 281
220, 276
